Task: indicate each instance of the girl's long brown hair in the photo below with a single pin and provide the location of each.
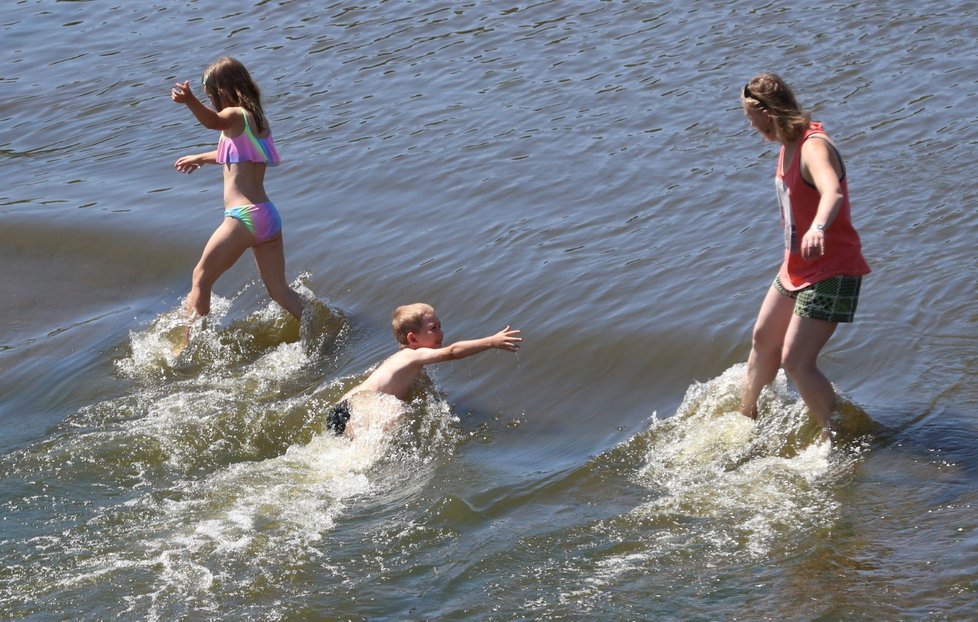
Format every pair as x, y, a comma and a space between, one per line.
228, 83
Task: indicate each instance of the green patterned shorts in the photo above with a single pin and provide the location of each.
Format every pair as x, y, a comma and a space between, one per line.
832, 300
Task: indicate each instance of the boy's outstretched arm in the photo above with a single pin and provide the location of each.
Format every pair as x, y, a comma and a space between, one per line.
396, 375
506, 339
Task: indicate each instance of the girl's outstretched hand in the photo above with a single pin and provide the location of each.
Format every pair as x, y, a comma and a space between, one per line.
188, 164
180, 93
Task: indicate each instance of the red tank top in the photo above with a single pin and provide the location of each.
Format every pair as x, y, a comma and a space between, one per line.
799, 204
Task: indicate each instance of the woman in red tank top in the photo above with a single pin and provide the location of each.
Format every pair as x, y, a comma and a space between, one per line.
818, 283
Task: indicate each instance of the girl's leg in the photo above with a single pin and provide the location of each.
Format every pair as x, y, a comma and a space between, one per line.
765, 355
270, 257
226, 244
805, 339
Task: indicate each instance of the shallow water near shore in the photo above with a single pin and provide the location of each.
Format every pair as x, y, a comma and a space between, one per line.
581, 171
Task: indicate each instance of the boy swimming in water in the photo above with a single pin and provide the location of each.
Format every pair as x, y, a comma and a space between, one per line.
418, 331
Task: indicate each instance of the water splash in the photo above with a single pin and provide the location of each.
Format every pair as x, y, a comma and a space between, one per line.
173, 346
214, 473
202, 538
724, 491
736, 486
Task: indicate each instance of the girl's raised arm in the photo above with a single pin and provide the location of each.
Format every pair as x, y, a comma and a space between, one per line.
226, 119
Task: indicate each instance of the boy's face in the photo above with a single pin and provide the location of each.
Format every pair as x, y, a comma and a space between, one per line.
429, 335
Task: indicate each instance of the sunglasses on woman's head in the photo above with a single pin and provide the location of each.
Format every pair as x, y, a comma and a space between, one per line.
748, 94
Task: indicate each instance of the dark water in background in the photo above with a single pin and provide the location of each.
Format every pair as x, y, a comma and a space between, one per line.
581, 170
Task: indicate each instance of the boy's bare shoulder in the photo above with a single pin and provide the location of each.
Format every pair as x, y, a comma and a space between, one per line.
402, 358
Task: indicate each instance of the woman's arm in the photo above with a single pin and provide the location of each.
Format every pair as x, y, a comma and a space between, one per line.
817, 161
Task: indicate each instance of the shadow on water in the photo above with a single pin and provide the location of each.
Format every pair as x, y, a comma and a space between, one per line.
934, 434
60, 275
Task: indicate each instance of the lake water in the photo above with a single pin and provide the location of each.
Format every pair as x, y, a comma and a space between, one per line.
580, 170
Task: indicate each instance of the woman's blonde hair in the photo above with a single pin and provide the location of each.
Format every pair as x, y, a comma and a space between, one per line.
767, 91
408, 319
228, 83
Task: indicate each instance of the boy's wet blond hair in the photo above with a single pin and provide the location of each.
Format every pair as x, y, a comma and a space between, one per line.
408, 319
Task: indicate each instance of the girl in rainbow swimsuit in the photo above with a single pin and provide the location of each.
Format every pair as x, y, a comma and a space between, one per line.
244, 151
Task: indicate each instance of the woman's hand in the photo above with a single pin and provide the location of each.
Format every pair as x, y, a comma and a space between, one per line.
813, 244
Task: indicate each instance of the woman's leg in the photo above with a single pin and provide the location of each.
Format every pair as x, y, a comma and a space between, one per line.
270, 257
804, 340
766, 344
226, 244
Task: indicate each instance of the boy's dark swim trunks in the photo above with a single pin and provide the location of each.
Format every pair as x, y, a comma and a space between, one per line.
338, 415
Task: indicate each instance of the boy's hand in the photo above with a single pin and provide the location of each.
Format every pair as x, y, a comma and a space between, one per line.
181, 94
507, 339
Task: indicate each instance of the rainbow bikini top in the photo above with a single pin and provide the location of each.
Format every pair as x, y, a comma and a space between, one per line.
246, 147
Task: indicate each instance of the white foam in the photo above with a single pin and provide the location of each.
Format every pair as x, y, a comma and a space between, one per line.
220, 499
159, 346
274, 508
731, 484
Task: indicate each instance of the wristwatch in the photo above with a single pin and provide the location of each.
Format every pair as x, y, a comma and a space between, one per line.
819, 228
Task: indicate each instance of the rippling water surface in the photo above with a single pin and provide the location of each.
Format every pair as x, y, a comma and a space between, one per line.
580, 170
